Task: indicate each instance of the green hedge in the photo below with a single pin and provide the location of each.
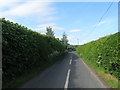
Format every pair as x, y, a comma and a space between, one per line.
24, 49
103, 53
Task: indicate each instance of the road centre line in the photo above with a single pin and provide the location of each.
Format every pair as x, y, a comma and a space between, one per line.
68, 75
67, 79
70, 61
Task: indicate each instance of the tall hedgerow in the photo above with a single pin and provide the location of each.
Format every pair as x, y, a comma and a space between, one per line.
24, 49
104, 53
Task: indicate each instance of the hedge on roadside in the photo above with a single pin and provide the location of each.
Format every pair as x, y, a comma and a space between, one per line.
104, 53
24, 49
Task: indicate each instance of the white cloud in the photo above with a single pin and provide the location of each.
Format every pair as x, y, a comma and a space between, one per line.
29, 11
70, 37
58, 37
86, 0
104, 22
7, 3
48, 19
42, 27
30, 8
11, 20
43, 33
81, 42
76, 40
100, 23
75, 30
58, 28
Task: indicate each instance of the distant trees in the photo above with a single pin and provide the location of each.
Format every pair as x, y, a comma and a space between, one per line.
64, 39
49, 31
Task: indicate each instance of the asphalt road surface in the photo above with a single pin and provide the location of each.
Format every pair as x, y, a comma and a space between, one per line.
0, 78
71, 72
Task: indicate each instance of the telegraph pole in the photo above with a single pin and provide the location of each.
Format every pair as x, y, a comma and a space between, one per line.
78, 41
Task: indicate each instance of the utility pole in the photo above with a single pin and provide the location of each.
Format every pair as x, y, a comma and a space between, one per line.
78, 41
119, 18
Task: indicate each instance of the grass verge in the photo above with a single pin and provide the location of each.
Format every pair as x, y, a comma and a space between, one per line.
109, 80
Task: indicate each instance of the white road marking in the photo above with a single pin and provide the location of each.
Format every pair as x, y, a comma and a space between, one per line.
93, 74
67, 80
70, 61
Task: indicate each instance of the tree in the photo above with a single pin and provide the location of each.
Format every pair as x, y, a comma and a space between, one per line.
64, 39
49, 31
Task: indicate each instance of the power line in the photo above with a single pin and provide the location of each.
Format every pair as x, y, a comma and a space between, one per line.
101, 17
106, 12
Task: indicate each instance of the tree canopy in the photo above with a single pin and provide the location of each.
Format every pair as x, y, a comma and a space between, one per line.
49, 31
64, 39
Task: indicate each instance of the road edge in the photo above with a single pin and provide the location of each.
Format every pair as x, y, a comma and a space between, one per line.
96, 74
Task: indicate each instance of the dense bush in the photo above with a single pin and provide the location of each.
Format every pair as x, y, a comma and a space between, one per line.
24, 49
71, 48
103, 53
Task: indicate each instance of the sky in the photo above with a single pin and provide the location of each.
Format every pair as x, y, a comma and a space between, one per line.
79, 20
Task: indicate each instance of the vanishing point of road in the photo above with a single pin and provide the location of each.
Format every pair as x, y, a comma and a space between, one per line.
71, 72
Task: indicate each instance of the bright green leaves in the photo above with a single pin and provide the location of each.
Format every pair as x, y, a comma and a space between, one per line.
104, 53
